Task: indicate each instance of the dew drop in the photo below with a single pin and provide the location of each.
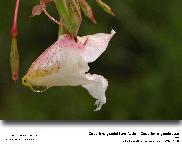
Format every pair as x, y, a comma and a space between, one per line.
39, 88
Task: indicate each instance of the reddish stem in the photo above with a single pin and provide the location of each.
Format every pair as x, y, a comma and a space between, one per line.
50, 17
14, 30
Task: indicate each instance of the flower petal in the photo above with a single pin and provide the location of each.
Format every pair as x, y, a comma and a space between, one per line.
97, 86
95, 45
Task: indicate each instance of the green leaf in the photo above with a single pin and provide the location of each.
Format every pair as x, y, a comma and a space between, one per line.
87, 10
69, 11
106, 7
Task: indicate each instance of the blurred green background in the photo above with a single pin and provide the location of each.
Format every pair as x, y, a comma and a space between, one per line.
143, 63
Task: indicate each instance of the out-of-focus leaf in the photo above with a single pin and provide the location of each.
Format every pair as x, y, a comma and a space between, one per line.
14, 59
86, 8
106, 7
69, 11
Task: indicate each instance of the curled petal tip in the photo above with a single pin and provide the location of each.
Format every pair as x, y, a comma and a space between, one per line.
113, 32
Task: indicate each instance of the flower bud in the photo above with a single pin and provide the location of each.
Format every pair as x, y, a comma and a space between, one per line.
106, 7
87, 10
14, 56
14, 59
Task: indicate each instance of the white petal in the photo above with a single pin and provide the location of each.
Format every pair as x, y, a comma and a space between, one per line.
95, 45
97, 86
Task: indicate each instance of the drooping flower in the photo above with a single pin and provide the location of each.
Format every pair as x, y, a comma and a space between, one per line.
65, 63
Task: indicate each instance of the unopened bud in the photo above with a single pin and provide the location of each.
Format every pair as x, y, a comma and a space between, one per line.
87, 10
106, 7
14, 59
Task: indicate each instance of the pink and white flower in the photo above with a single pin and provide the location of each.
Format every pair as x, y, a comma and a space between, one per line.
65, 63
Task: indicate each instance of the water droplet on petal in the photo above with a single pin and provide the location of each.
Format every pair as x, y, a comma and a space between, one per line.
39, 89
